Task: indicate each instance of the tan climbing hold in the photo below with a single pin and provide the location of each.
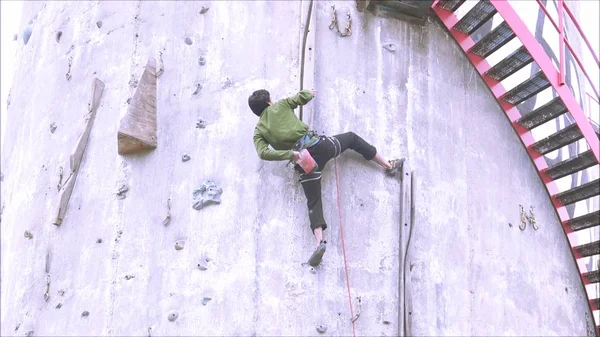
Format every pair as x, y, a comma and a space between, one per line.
137, 131
77, 155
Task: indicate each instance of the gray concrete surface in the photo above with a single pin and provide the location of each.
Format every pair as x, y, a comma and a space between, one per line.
472, 273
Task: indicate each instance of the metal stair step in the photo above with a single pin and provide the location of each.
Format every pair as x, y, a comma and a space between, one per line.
589, 249
592, 277
555, 141
527, 89
572, 165
584, 221
595, 303
541, 115
579, 193
451, 5
510, 65
493, 41
476, 17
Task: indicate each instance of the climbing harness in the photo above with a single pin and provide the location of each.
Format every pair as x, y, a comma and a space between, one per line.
334, 23
339, 198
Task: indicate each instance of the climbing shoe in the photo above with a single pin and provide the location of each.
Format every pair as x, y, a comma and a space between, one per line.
396, 166
317, 256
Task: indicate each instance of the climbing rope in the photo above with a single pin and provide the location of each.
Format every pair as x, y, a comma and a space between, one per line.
339, 198
334, 23
347, 32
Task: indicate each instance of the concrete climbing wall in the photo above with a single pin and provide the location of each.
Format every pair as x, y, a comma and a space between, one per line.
114, 267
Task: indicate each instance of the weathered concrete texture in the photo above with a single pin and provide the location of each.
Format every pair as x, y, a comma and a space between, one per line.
473, 274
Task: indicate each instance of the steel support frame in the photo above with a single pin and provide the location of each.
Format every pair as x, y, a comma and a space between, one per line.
449, 19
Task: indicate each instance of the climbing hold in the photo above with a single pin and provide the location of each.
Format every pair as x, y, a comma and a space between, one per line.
208, 193
52, 127
188, 41
122, 192
205, 300
198, 88
68, 74
185, 157
204, 9
313, 270
228, 83
202, 60
15, 37
172, 316
161, 65
26, 34
58, 36
203, 265
200, 124
167, 219
99, 241
387, 322
137, 129
179, 244
17, 327
321, 328
61, 292
85, 314
99, 24
390, 47
129, 277
29, 334
509, 224
28, 235
58, 306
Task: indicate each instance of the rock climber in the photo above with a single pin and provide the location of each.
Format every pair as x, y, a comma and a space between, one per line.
281, 135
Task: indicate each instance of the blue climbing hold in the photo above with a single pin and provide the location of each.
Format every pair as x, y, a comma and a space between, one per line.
26, 34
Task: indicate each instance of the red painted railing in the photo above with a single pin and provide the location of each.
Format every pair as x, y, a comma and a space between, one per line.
555, 77
563, 41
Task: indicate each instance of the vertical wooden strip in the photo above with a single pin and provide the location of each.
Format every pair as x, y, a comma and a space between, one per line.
404, 234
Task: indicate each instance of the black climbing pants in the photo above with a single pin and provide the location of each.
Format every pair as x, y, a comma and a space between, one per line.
326, 149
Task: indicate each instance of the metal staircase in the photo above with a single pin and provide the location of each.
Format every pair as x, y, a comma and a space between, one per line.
565, 103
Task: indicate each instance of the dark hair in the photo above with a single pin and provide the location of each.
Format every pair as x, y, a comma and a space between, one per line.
258, 101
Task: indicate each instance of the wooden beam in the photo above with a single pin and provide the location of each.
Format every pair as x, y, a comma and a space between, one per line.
137, 131
307, 56
405, 230
362, 5
77, 156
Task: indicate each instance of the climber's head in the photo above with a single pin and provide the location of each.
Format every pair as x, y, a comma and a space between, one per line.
259, 101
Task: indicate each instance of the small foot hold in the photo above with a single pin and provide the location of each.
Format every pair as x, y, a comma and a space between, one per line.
204, 9
179, 245
200, 124
317, 256
185, 157
321, 328
85, 314
198, 88
172, 317
205, 300
396, 166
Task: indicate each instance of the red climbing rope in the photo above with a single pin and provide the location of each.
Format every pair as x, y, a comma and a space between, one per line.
337, 183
